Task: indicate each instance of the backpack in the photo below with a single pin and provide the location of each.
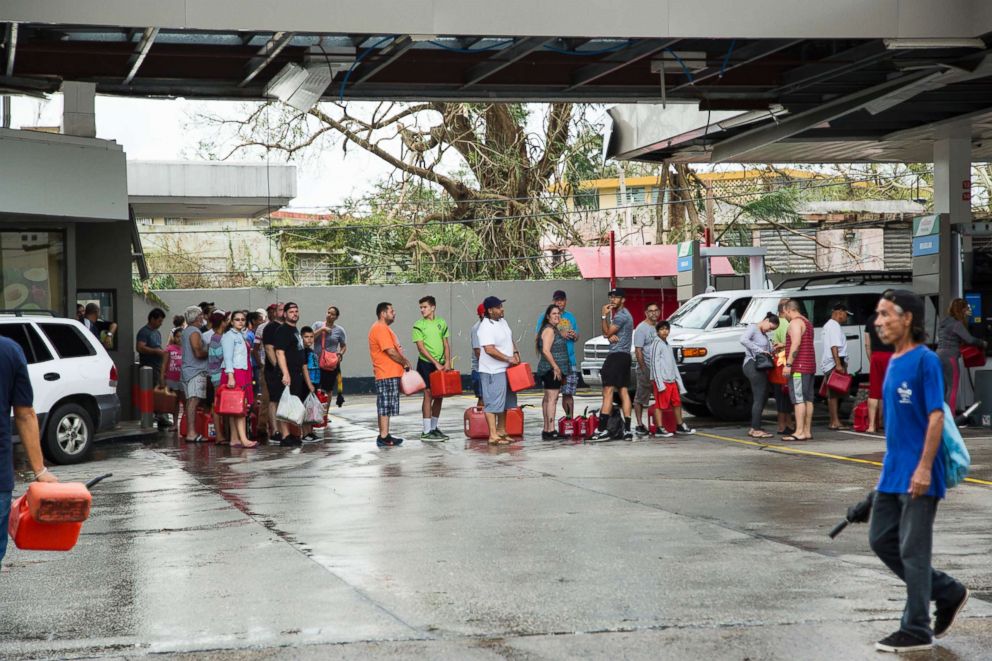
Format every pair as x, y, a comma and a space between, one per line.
957, 461
615, 425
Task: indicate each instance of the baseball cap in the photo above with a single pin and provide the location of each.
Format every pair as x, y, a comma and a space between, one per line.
261, 311
559, 295
204, 304
617, 292
840, 306
493, 302
272, 306
481, 310
907, 300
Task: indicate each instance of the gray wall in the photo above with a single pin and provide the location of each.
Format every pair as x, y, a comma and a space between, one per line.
456, 302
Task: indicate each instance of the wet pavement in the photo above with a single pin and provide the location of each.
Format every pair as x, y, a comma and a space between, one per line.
710, 546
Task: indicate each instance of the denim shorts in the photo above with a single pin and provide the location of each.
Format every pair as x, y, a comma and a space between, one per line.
5, 498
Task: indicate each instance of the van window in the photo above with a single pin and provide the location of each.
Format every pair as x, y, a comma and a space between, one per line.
68, 340
697, 312
27, 337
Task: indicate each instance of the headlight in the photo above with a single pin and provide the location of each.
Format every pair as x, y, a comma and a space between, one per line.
693, 352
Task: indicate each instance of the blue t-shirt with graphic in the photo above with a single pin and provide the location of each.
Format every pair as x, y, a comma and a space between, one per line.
913, 389
313, 366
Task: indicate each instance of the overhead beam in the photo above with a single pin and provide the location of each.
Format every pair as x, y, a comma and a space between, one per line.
382, 59
619, 60
136, 59
834, 66
739, 57
786, 128
11, 42
265, 55
516, 51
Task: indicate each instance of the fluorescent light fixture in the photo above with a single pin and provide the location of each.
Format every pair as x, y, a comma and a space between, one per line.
915, 44
302, 87
693, 60
752, 116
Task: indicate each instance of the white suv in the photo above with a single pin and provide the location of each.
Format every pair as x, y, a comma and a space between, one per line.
711, 361
73, 378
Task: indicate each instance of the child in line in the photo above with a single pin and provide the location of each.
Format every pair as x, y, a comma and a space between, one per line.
667, 382
171, 373
313, 367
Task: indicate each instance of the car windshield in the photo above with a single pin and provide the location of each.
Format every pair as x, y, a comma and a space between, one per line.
758, 308
697, 312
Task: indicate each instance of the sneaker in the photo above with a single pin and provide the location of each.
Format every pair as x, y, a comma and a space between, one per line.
663, 433
628, 435
310, 438
382, 442
641, 430
601, 435
291, 441
275, 438
548, 436
944, 617
395, 440
439, 435
340, 400
901, 641
684, 429
428, 436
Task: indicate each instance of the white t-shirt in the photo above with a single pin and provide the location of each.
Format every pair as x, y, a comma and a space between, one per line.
499, 335
833, 336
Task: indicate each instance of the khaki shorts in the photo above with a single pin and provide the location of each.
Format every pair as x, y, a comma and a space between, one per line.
645, 388
196, 386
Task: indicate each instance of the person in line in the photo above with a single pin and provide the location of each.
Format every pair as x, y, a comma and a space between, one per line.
292, 363
148, 345
552, 366
645, 335
786, 423
799, 370
252, 330
618, 328
912, 482
179, 321
756, 343
219, 323
172, 369
878, 353
237, 368
834, 359
476, 350
951, 334
208, 309
313, 369
388, 365
667, 384
432, 337
16, 393
569, 328
194, 370
499, 352
102, 329
330, 337
272, 377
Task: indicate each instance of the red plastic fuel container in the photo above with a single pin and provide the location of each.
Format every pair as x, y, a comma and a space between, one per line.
475, 423
667, 420
446, 383
49, 516
520, 377
515, 422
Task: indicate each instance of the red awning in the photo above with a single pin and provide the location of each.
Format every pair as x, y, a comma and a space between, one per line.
637, 262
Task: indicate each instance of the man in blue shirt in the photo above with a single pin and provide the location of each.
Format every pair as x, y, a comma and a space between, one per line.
569, 329
16, 393
912, 480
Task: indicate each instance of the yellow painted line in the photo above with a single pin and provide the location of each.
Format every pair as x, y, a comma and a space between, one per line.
813, 453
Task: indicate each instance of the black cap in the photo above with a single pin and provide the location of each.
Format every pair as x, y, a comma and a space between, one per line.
907, 300
493, 302
559, 295
840, 306
204, 304
617, 292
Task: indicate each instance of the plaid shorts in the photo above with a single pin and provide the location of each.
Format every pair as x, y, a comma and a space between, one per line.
387, 396
570, 384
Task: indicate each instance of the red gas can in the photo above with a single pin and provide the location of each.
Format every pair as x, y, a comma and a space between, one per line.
972, 356
230, 401
205, 425
667, 420
520, 377
49, 516
446, 383
322, 397
515, 422
475, 423
590, 425
566, 426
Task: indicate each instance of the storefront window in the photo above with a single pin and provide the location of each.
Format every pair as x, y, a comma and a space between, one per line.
100, 314
33, 267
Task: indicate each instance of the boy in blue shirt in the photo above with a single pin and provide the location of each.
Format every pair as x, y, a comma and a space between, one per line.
912, 480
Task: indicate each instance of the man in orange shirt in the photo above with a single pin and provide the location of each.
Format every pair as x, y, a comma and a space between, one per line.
388, 365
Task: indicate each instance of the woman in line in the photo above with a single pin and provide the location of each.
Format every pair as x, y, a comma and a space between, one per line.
219, 321
237, 368
331, 338
755, 342
951, 334
553, 349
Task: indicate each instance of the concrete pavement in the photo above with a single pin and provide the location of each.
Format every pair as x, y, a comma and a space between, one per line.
693, 547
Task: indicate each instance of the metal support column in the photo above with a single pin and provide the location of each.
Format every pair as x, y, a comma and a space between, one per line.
952, 196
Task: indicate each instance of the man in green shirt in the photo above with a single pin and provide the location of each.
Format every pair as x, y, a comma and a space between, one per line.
782, 403
431, 336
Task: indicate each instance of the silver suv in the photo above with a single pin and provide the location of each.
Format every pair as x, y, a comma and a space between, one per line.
73, 378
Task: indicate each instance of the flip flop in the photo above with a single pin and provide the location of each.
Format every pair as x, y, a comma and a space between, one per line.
760, 434
792, 437
841, 428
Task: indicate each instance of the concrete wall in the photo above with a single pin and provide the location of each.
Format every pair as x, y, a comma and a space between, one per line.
456, 302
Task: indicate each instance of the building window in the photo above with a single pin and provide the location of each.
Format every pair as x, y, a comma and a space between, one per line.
635, 195
105, 324
33, 270
587, 199
312, 269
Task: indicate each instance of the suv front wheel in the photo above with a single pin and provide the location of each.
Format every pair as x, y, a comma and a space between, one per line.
68, 435
729, 396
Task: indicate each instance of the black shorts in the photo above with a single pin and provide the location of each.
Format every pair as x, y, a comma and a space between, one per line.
273, 381
425, 370
549, 382
329, 379
616, 370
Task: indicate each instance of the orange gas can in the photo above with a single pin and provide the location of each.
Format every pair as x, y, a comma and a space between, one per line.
49, 516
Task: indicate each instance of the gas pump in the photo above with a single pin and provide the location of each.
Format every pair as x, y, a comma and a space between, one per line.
693, 267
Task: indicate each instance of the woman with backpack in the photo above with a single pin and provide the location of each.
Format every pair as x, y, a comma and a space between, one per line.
331, 343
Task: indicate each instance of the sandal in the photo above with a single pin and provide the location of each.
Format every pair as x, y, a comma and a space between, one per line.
793, 437
249, 444
841, 428
760, 434
199, 439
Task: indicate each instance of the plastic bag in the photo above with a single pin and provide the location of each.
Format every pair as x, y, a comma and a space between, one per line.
957, 460
290, 408
314, 410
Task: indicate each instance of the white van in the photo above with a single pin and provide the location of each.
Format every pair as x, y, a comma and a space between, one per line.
73, 378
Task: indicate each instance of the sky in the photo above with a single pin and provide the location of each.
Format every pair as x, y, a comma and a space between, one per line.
156, 130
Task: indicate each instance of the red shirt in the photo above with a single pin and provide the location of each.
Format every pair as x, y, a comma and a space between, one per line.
805, 360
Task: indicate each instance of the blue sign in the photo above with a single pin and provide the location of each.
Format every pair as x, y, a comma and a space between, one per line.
975, 301
684, 264
926, 245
